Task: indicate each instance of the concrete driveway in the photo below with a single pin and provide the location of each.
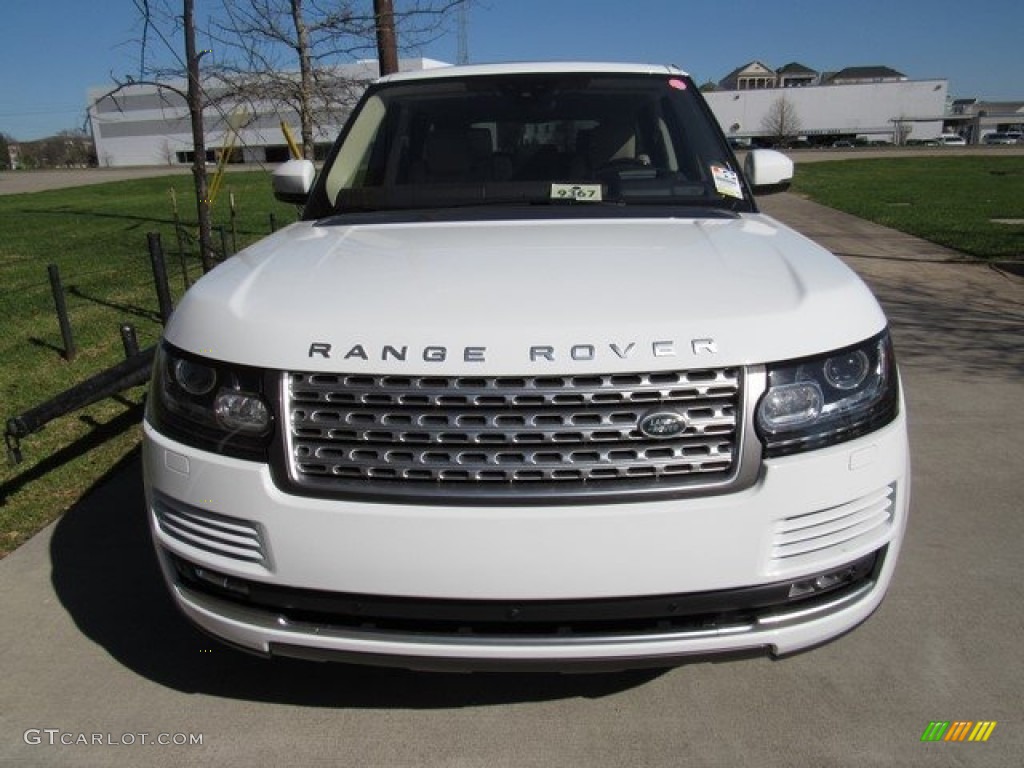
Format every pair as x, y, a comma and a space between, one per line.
94, 652
19, 182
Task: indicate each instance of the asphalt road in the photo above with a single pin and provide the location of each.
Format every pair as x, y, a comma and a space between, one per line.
93, 649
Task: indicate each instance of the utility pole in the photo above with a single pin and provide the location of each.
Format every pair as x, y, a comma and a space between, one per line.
462, 56
387, 47
195, 108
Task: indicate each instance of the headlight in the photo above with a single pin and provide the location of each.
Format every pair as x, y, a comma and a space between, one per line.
825, 400
210, 405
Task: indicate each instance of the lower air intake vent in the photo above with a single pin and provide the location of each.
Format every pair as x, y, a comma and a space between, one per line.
860, 524
229, 537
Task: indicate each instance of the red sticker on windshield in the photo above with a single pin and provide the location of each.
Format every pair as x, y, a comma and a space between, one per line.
678, 84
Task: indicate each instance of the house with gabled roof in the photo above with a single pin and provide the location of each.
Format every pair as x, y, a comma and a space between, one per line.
750, 76
870, 74
796, 75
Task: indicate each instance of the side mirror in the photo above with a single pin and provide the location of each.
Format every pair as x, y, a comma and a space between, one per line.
768, 171
293, 180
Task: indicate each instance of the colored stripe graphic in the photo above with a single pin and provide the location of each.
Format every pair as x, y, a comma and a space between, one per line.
958, 730
982, 730
935, 731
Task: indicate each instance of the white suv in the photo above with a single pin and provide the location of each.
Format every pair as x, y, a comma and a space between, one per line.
531, 382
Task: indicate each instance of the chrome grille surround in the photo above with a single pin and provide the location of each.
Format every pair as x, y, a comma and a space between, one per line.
514, 439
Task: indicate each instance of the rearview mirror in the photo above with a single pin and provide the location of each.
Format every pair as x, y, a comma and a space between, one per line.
768, 171
293, 180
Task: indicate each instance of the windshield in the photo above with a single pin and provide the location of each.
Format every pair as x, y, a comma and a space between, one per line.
569, 139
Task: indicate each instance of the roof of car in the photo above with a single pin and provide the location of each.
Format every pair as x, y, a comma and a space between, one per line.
533, 68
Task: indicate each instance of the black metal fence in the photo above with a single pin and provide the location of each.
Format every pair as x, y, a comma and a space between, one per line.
134, 370
131, 372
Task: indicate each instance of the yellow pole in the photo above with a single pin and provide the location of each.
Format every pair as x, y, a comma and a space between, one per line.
293, 147
236, 120
218, 176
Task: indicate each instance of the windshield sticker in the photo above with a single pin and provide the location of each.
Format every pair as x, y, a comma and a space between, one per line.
727, 182
585, 193
679, 85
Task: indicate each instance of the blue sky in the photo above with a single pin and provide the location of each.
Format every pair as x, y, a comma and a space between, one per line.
52, 51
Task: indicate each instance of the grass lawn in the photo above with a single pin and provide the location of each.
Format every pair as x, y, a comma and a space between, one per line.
951, 201
96, 235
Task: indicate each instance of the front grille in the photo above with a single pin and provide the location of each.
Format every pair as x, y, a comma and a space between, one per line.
509, 436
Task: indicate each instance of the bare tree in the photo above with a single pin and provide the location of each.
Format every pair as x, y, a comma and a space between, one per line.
159, 20
277, 52
267, 51
283, 54
167, 153
781, 123
195, 100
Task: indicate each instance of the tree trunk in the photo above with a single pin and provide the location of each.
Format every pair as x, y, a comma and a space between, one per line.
387, 46
306, 79
195, 109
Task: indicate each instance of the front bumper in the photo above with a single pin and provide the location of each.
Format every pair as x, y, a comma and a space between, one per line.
808, 515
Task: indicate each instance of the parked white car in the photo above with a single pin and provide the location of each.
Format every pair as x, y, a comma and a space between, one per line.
533, 381
1004, 137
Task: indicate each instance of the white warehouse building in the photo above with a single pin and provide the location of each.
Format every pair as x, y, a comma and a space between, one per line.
889, 111
866, 103
145, 125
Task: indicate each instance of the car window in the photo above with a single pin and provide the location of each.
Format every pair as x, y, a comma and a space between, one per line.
531, 139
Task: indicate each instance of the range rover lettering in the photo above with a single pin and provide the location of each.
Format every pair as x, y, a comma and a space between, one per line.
532, 381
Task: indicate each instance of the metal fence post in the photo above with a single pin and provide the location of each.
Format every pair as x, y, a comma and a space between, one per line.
62, 313
163, 291
234, 224
129, 340
225, 253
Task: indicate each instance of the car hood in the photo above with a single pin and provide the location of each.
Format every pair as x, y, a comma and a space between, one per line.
525, 297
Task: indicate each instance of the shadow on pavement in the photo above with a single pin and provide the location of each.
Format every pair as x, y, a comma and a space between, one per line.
106, 576
948, 313
953, 319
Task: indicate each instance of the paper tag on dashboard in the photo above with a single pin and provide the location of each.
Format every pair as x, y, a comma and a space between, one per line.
584, 193
727, 182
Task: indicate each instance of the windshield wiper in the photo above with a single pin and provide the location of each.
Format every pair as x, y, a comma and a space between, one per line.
626, 190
